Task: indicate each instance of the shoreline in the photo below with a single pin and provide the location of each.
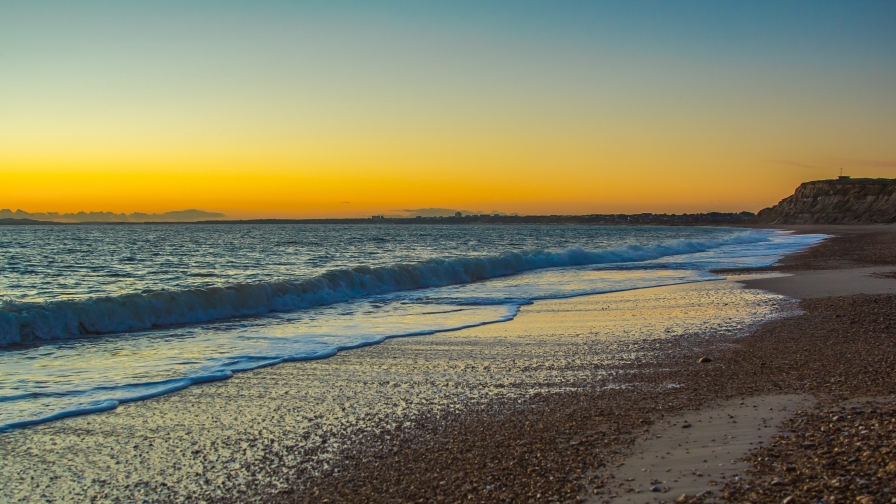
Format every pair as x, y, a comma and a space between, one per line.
13, 418
312, 419
830, 379
482, 443
853, 268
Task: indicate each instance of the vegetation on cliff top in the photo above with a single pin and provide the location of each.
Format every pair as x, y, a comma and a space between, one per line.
841, 201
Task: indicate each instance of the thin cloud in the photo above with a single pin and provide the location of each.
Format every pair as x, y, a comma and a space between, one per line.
867, 163
798, 164
838, 163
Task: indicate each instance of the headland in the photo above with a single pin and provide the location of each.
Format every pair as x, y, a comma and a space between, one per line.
721, 391
545, 407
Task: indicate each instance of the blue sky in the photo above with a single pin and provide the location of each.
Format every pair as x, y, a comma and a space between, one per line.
559, 98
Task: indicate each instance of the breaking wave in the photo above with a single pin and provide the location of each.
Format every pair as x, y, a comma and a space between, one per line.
30, 323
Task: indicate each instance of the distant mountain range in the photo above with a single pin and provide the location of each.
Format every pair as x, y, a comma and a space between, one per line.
191, 215
710, 218
840, 201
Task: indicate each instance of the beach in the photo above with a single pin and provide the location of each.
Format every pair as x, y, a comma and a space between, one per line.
279, 252
554, 405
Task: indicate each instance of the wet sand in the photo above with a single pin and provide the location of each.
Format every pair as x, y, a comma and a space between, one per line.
852, 275
826, 283
297, 428
543, 408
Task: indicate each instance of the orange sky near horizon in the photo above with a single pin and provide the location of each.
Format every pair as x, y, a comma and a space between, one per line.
284, 194
325, 112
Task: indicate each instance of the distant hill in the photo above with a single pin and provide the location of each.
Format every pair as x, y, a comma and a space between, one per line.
23, 222
191, 215
841, 201
709, 218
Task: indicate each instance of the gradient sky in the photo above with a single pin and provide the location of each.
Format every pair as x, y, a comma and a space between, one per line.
306, 109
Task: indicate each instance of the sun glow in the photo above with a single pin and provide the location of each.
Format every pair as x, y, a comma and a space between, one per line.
285, 112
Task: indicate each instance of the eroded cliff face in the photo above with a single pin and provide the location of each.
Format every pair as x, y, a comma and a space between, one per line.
852, 201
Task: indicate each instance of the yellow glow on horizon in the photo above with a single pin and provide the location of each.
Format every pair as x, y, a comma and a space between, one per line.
301, 190
549, 163
294, 117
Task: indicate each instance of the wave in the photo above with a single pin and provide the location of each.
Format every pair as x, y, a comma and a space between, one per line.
132, 392
32, 323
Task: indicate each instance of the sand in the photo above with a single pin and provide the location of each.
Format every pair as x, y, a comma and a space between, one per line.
539, 409
827, 283
277, 429
837, 453
698, 451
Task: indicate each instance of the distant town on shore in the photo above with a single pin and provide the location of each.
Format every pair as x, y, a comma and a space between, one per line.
619, 219
843, 200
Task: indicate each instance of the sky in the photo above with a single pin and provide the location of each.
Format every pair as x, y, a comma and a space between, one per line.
344, 109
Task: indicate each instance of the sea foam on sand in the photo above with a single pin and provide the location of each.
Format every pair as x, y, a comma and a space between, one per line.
273, 428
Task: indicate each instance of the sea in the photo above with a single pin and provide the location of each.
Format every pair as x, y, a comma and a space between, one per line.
93, 316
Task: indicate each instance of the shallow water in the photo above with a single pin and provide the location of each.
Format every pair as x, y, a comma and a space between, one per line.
119, 314
274, 428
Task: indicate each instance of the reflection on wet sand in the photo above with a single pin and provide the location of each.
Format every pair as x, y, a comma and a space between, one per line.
275, 428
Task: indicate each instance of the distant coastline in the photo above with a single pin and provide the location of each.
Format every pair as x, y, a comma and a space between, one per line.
592, 219
22, 217
27, 222
840, 201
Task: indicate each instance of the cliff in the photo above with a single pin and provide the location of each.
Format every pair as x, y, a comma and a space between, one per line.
847, 201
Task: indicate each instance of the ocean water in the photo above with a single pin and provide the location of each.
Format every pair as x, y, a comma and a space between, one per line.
93, 316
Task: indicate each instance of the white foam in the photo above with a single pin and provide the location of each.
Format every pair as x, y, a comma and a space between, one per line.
77, 376
29, 323
81, 402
